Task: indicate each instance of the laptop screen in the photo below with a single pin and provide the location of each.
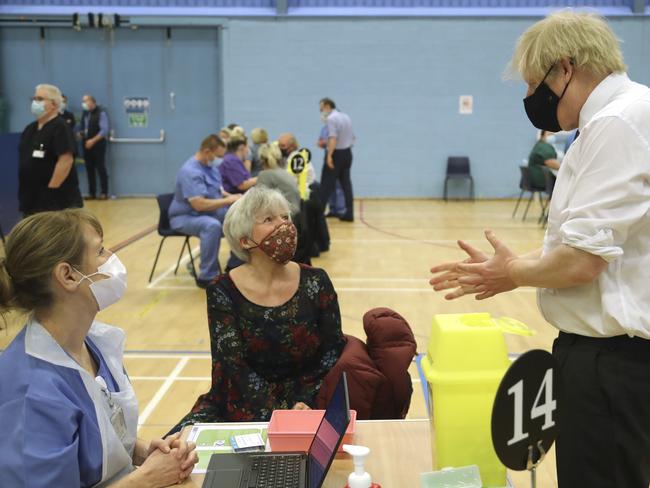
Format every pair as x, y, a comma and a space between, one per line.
329, 434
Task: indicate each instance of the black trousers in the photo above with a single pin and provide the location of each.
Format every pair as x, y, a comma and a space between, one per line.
342, 164
604, 417
95, 159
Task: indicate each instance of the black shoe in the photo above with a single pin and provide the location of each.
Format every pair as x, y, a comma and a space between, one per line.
202, 283
346, 218
90, 197
331, 215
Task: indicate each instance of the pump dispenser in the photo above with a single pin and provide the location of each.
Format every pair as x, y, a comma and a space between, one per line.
359, 479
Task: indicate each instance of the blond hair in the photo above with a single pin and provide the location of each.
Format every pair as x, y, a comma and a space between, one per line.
238, 131
259, 136
53, 93
33, 248
269, 155
585, 38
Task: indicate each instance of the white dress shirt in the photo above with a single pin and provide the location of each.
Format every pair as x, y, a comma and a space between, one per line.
601, 205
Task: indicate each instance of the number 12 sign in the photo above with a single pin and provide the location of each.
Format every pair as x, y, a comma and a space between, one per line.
525, 411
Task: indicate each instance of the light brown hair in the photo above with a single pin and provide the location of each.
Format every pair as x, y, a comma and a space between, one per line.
33, 248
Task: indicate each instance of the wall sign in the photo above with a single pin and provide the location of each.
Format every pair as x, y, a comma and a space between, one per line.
525, 411
137, 111
465, 104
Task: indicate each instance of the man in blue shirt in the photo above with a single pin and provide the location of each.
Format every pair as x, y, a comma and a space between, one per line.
94, 134
200, 205
338, 161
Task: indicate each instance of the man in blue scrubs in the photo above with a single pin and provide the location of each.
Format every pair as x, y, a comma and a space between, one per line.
200, 205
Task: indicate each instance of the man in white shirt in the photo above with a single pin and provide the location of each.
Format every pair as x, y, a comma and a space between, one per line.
591, 272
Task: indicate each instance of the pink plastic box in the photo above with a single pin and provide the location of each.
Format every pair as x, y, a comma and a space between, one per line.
293, 430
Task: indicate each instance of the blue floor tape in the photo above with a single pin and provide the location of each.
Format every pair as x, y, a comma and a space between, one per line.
423, 381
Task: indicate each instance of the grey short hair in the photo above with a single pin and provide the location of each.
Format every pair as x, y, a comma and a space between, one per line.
257, 203
53, 93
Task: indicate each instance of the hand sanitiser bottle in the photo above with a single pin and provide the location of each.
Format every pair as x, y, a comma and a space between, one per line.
359, 479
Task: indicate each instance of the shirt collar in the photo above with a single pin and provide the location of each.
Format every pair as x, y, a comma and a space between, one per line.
40, 344
601, 96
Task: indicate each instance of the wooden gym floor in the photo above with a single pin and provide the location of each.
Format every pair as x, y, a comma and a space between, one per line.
380, 260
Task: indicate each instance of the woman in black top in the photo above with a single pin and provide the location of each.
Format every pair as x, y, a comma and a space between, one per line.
275, 325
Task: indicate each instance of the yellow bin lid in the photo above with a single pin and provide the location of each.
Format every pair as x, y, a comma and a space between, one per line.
469, 344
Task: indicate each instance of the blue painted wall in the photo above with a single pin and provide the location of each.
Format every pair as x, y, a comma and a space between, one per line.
399, 80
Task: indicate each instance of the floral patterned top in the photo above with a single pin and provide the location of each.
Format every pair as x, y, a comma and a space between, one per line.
266, 358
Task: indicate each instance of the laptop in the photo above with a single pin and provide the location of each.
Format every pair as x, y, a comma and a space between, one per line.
287, 469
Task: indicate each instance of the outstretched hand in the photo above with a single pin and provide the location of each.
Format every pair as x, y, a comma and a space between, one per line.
477, 275
447, 275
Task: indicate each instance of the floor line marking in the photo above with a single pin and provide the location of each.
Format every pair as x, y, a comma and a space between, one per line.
171, 269
163, 378
412, 290
155, 400
177, 287
171, 355
133, 238
195, 378
422, 241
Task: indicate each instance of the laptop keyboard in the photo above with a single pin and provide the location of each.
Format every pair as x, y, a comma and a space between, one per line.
274, 472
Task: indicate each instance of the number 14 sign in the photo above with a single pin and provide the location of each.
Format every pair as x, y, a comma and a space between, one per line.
525, 411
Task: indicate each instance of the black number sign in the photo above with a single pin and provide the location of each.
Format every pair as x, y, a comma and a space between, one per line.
525, 411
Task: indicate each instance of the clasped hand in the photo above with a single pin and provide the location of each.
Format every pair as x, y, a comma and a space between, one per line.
477, 275
171, 459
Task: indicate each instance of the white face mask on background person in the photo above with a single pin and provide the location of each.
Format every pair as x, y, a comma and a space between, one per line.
551, 139
38, 108
84, 106
107, 291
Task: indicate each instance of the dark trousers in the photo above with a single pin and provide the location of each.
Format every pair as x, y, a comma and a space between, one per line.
604, 416
341, 172
95, 159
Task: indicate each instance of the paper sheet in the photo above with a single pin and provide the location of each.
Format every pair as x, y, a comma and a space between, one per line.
215, 439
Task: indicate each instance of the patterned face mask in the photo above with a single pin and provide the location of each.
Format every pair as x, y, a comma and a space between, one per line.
280, 244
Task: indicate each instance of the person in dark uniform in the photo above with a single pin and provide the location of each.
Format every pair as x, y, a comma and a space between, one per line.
47, 179
94, 134
67, 115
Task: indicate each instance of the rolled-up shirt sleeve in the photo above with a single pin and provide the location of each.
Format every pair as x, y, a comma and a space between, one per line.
612, 190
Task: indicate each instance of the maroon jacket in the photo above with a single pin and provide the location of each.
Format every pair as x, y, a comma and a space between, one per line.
379, 384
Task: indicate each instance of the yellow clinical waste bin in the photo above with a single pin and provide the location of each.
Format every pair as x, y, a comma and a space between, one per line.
465, 362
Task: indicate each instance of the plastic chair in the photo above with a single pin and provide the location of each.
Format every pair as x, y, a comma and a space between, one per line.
526, 186
165, 231
458, 167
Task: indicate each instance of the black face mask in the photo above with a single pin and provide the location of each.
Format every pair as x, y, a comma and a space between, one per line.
541, 106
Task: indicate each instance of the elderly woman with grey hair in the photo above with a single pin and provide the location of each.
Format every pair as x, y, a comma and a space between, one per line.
275, 325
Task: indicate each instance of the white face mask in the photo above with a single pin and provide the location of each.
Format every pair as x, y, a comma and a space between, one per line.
109, 290
551, 139
323, 116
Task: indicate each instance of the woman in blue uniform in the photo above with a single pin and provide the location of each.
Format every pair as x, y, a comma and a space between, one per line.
68, 413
